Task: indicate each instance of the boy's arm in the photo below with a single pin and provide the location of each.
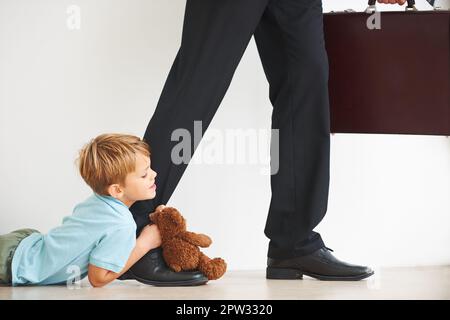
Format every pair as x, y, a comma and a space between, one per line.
147, 240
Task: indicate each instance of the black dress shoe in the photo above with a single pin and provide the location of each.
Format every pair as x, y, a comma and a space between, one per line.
152, 269
320, 264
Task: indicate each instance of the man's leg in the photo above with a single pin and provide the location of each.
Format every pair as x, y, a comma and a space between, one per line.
291, 46
290, 41
215, 36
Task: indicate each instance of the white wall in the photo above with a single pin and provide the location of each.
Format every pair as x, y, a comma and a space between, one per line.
389, 194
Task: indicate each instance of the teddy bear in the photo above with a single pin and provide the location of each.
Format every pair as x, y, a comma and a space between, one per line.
181, 247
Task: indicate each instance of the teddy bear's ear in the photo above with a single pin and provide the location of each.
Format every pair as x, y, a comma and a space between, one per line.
154, 216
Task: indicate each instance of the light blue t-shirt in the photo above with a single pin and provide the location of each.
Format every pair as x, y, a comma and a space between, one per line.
101, 231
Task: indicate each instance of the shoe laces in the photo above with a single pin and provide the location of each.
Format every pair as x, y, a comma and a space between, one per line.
329, 249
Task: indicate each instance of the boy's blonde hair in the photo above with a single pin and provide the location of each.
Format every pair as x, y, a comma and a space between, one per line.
108, 158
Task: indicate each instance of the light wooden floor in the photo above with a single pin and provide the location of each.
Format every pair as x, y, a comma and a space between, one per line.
386, 283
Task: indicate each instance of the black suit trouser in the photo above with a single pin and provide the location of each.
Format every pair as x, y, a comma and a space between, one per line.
290, 42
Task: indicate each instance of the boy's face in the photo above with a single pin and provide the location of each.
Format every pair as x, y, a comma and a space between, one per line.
139, 185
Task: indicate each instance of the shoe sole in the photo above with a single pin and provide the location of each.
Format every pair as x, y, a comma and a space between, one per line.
295, 274
196, 282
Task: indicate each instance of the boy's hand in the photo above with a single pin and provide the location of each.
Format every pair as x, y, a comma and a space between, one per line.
149, 237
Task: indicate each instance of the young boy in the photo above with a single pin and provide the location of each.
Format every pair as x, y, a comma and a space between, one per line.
99, 238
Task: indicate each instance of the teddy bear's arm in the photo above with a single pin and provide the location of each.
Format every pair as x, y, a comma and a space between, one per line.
197, 239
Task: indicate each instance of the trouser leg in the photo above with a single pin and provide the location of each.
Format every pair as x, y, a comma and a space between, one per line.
215, 36
290, 42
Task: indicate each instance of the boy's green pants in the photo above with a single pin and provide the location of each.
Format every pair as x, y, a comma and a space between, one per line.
8, 245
